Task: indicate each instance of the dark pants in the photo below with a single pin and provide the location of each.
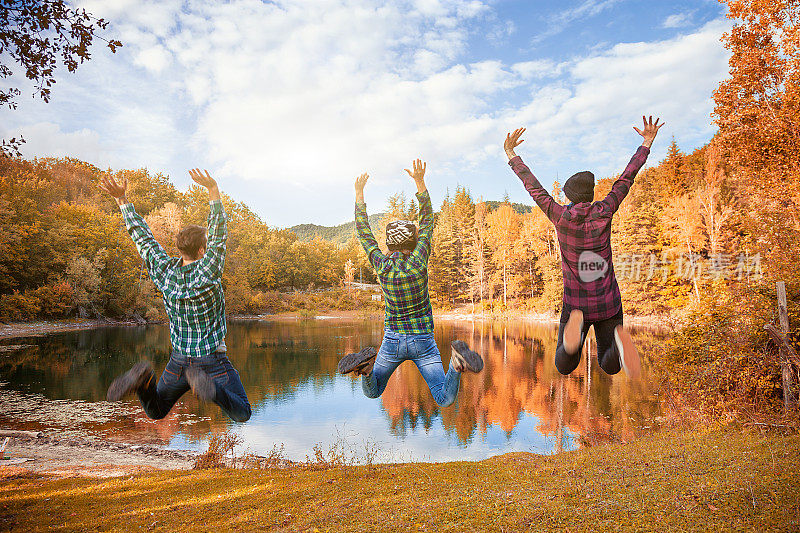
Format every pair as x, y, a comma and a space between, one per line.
158, 399
607, 354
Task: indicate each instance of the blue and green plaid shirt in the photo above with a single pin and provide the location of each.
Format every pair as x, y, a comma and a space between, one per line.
193, 294
404, 279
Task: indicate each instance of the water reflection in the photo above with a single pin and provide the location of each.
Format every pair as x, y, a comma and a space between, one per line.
518, 403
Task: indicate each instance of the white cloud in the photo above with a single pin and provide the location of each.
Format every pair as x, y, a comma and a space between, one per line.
50, 140
591, 114
559, 22
678, 20
300, 96
155, 58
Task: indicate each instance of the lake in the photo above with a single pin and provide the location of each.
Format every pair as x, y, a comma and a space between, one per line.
518, 403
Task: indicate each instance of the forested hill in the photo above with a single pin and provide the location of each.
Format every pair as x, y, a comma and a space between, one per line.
518, 208
335, 234
341, 233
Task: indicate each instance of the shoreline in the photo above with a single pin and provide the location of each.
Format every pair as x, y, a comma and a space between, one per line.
48, 453
39, 328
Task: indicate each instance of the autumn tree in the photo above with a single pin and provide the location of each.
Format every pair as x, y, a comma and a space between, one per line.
84, 277
478, 253
756, 110
717, 202
504, 227
670, 177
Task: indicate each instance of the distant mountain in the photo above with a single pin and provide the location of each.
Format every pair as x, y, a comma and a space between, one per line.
341, 233
519, 208
336, 234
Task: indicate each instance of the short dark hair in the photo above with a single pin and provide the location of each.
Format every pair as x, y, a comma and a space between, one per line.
190, 240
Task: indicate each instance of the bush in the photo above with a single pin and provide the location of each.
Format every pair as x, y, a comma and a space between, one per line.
721, 360
17, 306
56, 300
220, 452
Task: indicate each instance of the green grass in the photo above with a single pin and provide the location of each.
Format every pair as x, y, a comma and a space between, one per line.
673, 481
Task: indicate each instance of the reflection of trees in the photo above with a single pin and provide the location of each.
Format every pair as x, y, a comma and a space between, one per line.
81, 364
519, 378
274, 359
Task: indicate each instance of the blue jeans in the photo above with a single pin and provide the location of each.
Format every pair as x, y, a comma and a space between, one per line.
421, 349
158, 399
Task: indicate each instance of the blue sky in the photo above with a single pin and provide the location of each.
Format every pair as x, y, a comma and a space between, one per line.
285, 102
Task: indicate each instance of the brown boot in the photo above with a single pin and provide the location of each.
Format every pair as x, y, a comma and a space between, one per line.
356, 362
131, 381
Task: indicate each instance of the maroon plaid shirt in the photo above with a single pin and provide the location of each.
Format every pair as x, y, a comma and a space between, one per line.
584, 236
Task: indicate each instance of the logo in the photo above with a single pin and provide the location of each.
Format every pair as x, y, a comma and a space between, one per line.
591, 266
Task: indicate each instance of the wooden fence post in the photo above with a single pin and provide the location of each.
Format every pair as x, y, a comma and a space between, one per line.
588, 363
588, 374
786, 370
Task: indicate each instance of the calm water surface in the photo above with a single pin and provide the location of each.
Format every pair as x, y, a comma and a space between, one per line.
518, 403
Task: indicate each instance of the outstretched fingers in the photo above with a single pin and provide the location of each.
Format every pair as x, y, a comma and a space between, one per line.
112, 186
361, 180
513, 139
418, 168
649, 126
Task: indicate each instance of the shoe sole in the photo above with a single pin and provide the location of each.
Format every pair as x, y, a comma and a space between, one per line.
130, 381
572, 332
202, 384
471, 361
356, 361
628, 355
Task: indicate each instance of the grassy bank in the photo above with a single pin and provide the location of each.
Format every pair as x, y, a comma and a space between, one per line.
719, 480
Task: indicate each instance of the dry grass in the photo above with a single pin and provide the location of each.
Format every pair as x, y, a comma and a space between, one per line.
673, 481
220, 452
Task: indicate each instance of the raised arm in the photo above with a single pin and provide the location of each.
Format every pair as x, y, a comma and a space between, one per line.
423, 248
213, 261
364, 231
153, 254
546, 203
621, 187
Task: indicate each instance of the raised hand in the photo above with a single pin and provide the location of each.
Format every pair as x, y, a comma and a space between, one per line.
360, 182
418, 174
115, 188
650, 130
512, 141
206, 181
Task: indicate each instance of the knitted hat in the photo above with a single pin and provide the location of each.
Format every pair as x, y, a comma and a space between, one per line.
580, 187
400, 235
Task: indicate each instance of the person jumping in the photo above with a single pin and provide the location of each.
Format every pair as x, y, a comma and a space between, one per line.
195, 303
591, 292
408, 325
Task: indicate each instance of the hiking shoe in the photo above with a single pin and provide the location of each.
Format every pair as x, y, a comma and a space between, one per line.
358, 361
465, 358
131, 381
573, 331
628, 355
201, 383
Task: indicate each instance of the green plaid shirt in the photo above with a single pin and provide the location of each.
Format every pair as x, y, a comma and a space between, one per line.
404, 280
193, 294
